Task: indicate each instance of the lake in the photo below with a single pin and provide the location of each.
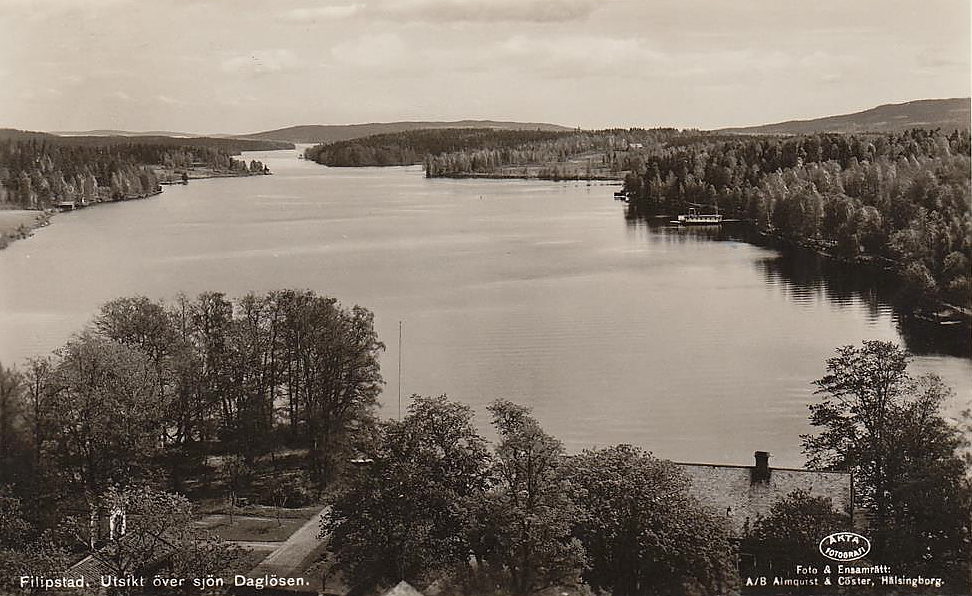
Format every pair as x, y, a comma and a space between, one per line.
690, 343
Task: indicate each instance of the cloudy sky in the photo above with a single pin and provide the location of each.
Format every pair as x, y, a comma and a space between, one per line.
250, 65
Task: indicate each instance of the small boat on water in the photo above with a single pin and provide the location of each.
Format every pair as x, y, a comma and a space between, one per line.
694, 218
621, 196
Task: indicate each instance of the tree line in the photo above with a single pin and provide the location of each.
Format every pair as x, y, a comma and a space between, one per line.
149, 392
39, 173
468, 152
612, 149
432, 503
901, 199
147, 401
411, 147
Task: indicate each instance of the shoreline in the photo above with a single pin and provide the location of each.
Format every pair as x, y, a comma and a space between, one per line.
504, 173
18, 224
203, 175
943, 313
500, 176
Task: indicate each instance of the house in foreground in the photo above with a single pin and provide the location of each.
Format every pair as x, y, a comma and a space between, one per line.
744, 493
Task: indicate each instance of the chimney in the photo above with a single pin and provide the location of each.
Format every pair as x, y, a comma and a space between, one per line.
761, 473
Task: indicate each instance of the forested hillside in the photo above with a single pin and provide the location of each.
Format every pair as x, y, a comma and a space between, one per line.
587, 154
332, 133
499, 153
899, 199
411, 147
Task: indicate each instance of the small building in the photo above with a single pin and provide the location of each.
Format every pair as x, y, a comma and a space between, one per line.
744, 493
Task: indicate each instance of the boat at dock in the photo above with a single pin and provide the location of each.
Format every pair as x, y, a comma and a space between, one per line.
694, 218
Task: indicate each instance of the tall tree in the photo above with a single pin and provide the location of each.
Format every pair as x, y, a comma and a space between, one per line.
532, 512
642, 530
887, 428
12, 408
405, 514
333, 373
105, 424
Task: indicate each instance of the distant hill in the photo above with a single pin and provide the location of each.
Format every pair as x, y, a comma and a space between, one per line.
947, 114
230, 145
126, 133
330, 133
12, 134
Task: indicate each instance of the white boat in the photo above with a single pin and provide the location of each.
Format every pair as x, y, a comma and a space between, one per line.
694, 218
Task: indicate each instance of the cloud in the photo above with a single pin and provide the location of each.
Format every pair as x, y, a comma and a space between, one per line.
599, 56
932, 59
172, 101
491, 11
372, 51
262, 62
586, 55
32, 10
451, 11
332, 11
57, 5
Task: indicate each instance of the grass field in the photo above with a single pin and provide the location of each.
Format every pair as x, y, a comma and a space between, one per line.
258, 529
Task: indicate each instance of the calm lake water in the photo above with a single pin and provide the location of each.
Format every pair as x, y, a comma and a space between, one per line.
691, 344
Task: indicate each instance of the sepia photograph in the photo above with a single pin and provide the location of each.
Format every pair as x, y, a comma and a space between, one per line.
485, 298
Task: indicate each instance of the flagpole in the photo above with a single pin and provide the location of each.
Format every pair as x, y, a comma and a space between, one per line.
399, 370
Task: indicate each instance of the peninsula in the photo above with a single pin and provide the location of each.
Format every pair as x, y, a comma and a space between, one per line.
42, 173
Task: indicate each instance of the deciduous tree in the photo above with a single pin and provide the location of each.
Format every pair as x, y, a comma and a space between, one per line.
404, 514
887, 428
641, 529
532, 512
104, 422
792, 531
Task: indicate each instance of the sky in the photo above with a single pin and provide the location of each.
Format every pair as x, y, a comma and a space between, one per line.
238, 66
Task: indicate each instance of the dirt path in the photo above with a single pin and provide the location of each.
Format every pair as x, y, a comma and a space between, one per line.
293, 554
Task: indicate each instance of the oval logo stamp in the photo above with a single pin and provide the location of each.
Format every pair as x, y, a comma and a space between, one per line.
844, 546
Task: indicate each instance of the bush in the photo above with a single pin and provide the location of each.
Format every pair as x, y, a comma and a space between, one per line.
290, 491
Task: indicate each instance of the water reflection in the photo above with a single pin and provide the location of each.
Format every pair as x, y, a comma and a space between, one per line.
806, 278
